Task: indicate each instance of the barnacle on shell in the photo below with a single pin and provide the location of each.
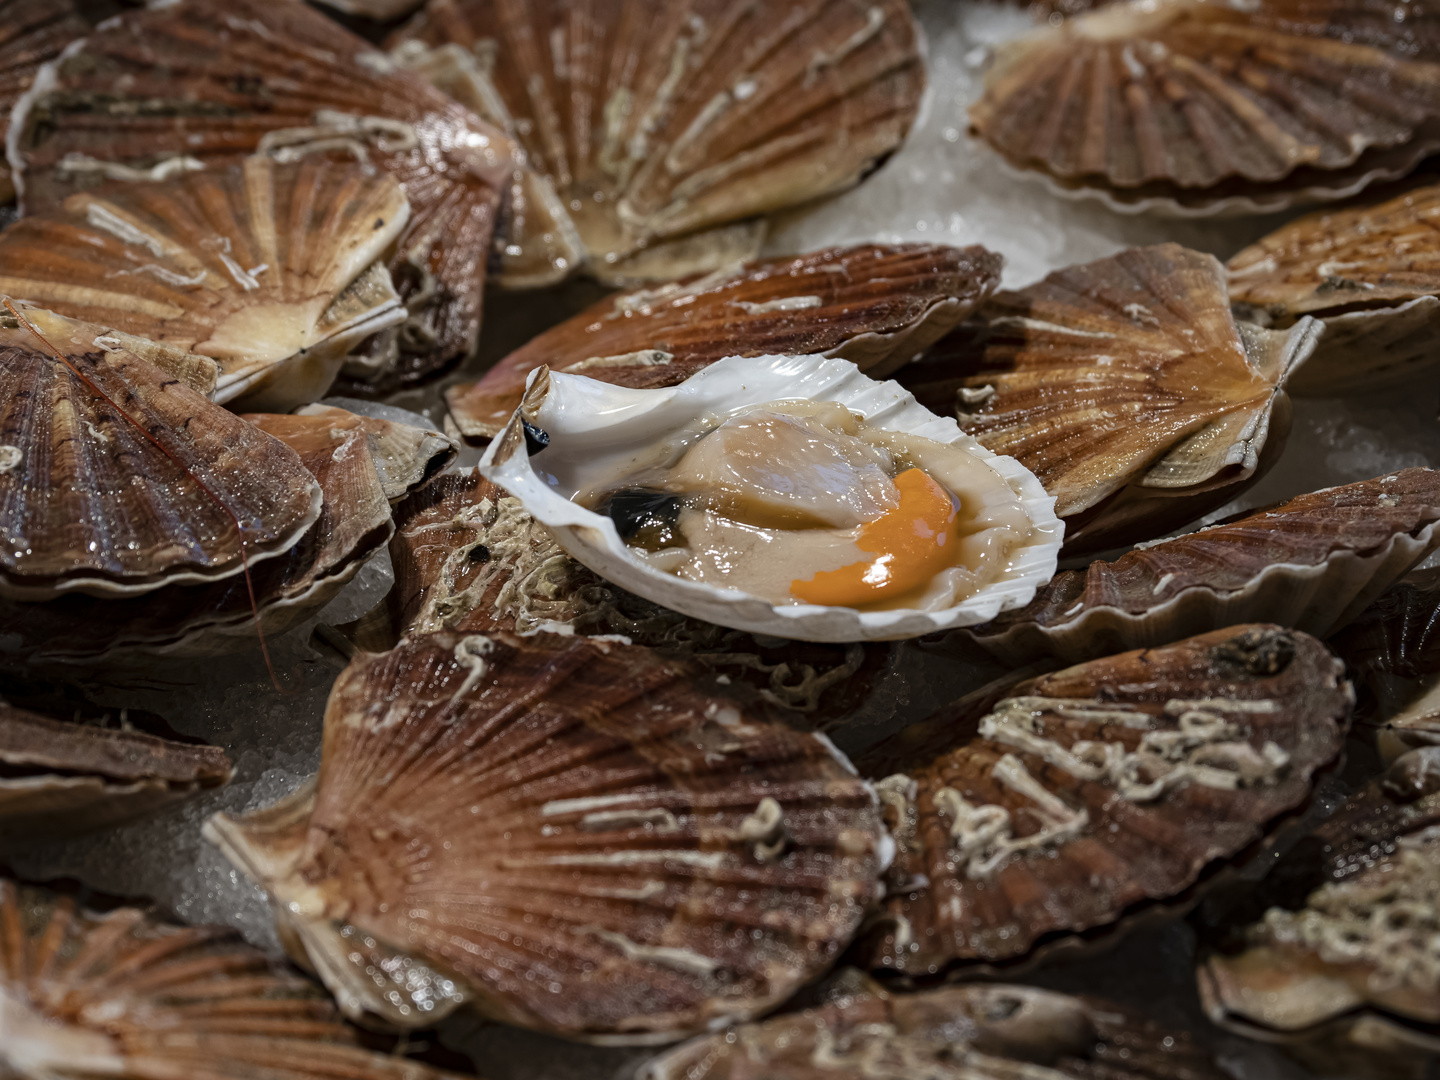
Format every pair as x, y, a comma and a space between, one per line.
1126, 385
1083, 794
563, 833
877, 306
653, 129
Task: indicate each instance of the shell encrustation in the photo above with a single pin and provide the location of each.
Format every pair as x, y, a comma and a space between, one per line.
1126, 385
124, 995
1193, 107
858, 1031
1085, 793
566, 833
60, 777
1348, 975
190, 620
1371, 274
35, 31
88, 502
877, 306
206, 83
645, 122
1312, 564
271, 270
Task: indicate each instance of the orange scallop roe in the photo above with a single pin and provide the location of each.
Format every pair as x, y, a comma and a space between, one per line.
912, 543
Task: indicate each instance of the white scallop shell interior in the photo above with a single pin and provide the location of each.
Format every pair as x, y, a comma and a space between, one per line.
595, 427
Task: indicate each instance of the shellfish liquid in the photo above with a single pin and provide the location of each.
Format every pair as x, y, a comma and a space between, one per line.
802, 502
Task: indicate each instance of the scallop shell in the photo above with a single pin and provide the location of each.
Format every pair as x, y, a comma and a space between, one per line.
1313, 564
379, 10
877, 306
1370, 274
1086, 793
268, 269
1189, 107
621, 853
202, 620
88, 503
861, 1032
1393, 649
206, 82
652, 120
59, 778
35, 31
1349, 981
1126, 386
579, 413
124, 995
468, 558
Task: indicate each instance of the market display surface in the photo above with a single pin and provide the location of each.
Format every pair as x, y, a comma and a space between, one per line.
724, 540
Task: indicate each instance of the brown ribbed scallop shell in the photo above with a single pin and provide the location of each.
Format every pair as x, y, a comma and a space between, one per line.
877, 306
861, 1032
468, 558
89, 503
566, 833
268, 269
1370, 274
1393, 650
207, 82
354, 524
1195, 107
124, 995
59, 777
379, 10
31, 32
407, 457
1312, 564
644, 121
1349, 981
1088, 792
1126, 386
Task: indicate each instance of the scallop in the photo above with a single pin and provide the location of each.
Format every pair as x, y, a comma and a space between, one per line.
859, 1031
741, 533
877, 306
1127, 386
1191, 107
1313, 563
120, 993
1089, 794
182, 87
199, 620
121, 499
1347, 979
35, 31
58, 777
1370, 274
566, 834
657, 131
274, 271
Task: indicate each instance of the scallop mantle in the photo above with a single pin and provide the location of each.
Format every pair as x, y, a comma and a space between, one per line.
582, 415
567, 834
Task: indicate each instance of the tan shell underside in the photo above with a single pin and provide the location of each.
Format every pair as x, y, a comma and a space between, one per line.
1312, 564
200, 620
407, 457
861, 1032
207, 82
1125, 385
1194, 104
877, 306
91, 503
1031, 820
266, 268
650, 120
625, 854
126, 996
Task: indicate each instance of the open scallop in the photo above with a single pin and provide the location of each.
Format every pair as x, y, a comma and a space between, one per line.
575, 438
